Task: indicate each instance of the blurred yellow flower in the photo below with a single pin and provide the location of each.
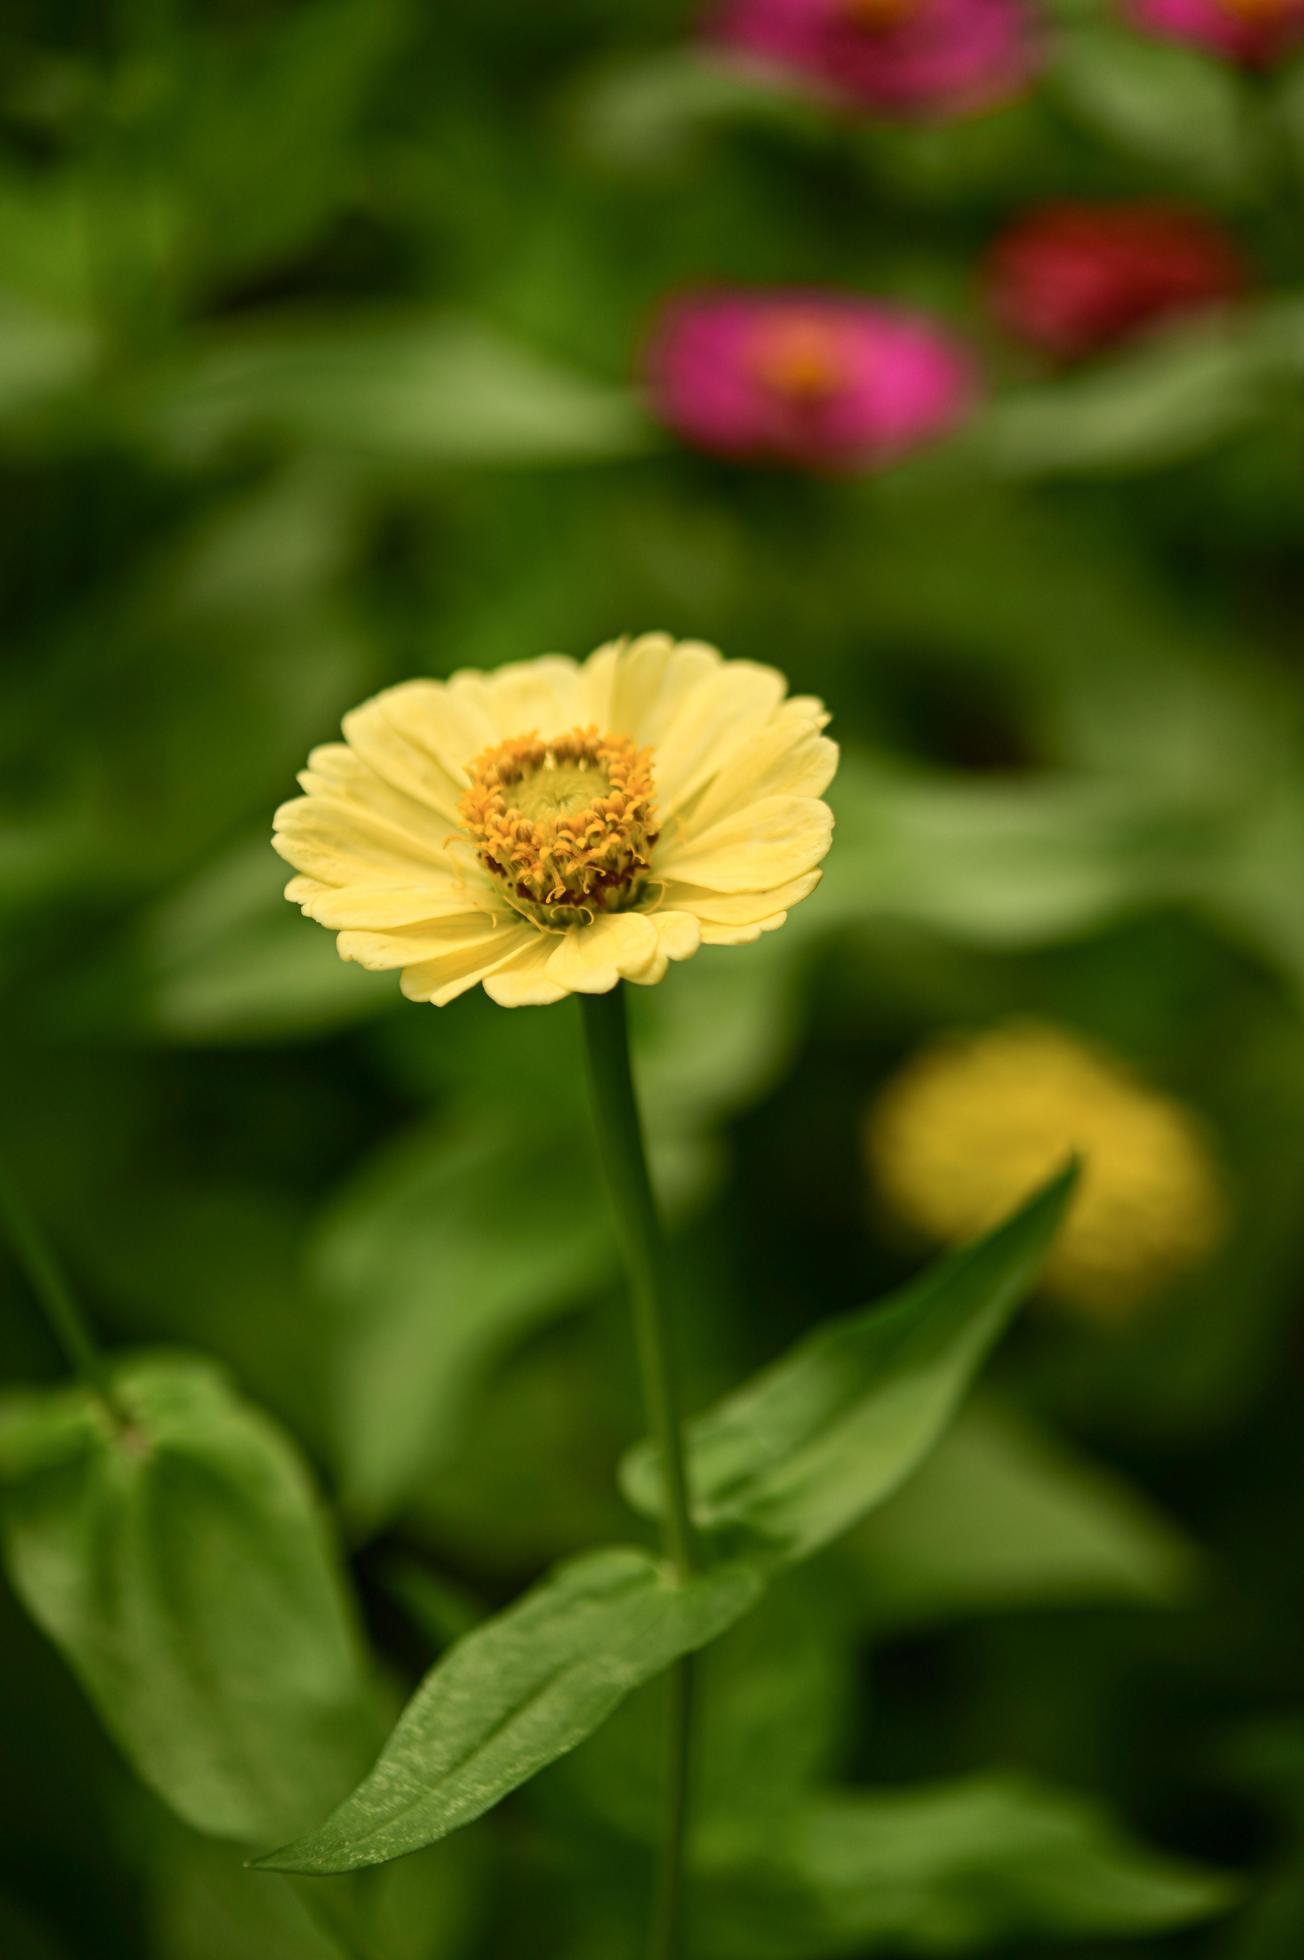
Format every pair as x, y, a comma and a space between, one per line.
554, 827
974, 1122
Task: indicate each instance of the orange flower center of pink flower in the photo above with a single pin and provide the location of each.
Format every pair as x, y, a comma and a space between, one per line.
1259, 12
801, 356
877, 16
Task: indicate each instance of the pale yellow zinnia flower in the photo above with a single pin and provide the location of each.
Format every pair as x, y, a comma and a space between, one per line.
973, 1123
555, 826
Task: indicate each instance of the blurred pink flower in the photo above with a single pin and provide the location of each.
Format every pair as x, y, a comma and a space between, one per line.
900, 57
820, 380
1255, 32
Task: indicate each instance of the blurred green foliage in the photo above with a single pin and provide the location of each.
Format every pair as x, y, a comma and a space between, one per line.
319, 335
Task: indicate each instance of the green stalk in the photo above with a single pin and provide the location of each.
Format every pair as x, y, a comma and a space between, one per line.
50, 1285
620, 1135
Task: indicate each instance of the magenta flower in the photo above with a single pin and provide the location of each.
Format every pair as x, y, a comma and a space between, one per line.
820, 380
1253, 32
899, 57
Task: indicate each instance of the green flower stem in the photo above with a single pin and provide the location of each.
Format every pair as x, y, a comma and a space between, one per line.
50, 1285
620, 1134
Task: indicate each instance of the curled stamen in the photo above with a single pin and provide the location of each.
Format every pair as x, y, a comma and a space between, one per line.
566, 825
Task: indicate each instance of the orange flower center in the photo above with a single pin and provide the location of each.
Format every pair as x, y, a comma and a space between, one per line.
801, 356
565, 825
1259, 12
879, 15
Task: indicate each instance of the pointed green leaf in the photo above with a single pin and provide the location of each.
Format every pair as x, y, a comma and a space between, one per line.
1004, 1516
184, 1570
801, 1453
517, 1693
949, 1868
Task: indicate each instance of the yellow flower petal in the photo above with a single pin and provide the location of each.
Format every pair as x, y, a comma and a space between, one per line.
638, 689
788, 757
443, 720
679, 934
372, 908
381, 731
742, 935
337, 769
725, 710
591, 959
544, 696
523, 982
417, 945
753, 849
739, 908
341, 843
444, 978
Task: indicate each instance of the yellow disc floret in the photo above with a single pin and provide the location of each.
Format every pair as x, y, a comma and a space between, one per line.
565, 825
973, 1123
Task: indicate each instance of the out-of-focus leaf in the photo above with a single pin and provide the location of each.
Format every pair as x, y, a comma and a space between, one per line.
41, 353
951, 1868
548, 1401
394, 390
651, 113
518, 1693
1001, 1516
448, 1247
1163, 402
1252, 886
43, 218
214, 713
1003, 863
796, 1456
717, 1039
1159, 102
183, 1568
225, 959
441, 1609
207, 1906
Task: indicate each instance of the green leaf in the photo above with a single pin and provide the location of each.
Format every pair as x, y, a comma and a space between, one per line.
42, 353
224, 959
393, 390
1001, 863
1002, 1516
650, 113
518, 1693
209, 1906
773, 1714
183, 1569
795, 1457
1167, 105
1163, 402
448, 1248
951, 1868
